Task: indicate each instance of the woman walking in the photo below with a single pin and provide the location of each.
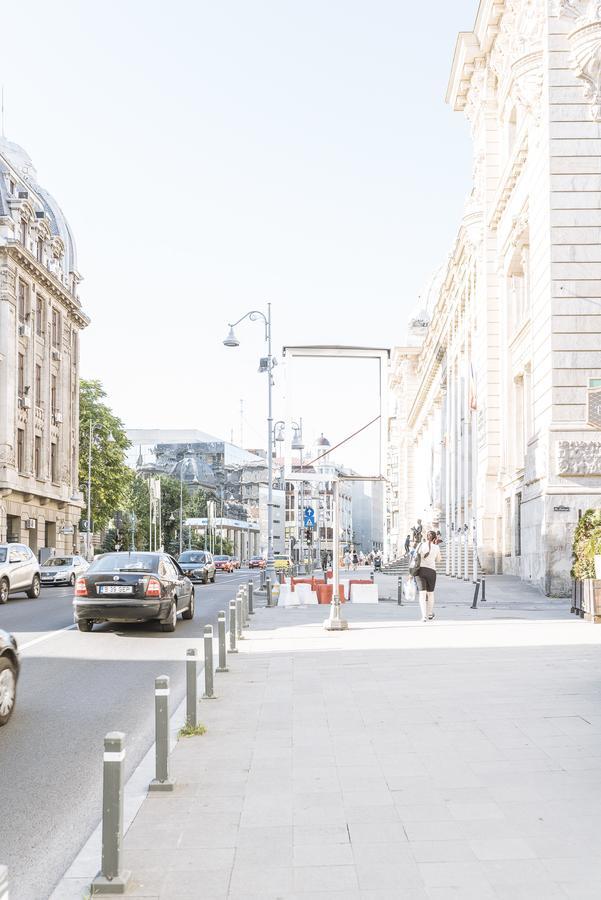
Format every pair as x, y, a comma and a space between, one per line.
429, 553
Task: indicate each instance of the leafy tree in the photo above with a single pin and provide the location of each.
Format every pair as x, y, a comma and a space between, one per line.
586, 543
111, 477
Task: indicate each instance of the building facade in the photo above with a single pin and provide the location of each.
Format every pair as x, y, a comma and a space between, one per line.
40, 321
498, 397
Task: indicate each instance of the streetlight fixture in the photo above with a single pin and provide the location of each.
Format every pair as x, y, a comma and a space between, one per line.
267, 365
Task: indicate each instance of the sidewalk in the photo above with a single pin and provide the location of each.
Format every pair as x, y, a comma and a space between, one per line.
455, 759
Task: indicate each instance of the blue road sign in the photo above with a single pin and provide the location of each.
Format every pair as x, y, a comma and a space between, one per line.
309, 517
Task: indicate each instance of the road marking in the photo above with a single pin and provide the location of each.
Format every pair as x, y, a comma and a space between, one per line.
45, 637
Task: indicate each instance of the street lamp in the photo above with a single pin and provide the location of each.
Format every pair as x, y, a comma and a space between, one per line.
267, 365
297, 444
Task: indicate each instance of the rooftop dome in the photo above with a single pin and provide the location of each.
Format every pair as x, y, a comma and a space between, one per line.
322, 441
19, 159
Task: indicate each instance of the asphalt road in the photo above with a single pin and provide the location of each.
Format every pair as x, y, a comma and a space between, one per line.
73, 689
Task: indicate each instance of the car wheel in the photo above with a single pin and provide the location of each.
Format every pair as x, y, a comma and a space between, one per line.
85, 624
189, 613
72, 579
213, 578
4, 588
8, 689
171, 622
34, 591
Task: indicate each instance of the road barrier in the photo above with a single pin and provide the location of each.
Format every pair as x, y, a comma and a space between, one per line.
192, 688
250, 587
161, 781
233, 627
112, 879
222, 667
208, 641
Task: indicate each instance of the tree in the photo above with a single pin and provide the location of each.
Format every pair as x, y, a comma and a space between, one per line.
111, 477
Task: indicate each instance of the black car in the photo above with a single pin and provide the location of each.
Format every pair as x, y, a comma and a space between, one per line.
198, 565
9, 673
133, 587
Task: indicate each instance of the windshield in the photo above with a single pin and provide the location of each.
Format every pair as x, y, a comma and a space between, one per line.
125, 562
59, 561
191, 557
2, 554
221, 558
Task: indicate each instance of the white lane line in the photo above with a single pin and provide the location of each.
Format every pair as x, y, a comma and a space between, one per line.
45, 637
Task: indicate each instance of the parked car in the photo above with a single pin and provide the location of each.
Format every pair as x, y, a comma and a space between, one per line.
9, 675
133, 587
63, 569
224, 563
19, 571
198, 565
235, 562
256, 562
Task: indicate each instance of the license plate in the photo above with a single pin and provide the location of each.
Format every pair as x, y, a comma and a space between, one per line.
116, 589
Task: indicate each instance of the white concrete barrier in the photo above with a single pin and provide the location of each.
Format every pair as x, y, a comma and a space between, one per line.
364, 593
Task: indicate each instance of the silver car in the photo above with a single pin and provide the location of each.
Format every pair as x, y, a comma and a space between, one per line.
19, 571
63, 569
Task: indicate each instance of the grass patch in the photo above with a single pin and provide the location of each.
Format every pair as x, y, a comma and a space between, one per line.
190, 730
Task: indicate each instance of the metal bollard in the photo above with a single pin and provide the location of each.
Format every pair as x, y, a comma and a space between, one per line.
222, 667
192, 688
112, 879
262, 579
244, 593
399, 591
208, 694
476, 592
268, 590
483, 580
161, 781
250, 588
239, 634
233, 627
3, 882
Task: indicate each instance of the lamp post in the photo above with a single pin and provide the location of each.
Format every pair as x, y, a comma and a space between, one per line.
297, 444
185, 459
266, 365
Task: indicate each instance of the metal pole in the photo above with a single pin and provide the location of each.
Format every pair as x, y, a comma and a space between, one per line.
268, 590
399, 591
89, 535
238, 602
335, 622
233, 627
111, 879
301, 516
222, 667
181, 507
270, 567
250, 588
192, 688
483, 590
476, 592
208, 641
162, 781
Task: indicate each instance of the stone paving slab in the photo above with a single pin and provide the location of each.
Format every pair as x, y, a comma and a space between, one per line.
455, 759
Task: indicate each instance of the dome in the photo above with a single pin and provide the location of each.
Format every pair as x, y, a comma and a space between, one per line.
322, 441
18, 158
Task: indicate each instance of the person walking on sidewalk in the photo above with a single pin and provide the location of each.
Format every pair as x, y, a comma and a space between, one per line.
429, 553
355, 561
347, 560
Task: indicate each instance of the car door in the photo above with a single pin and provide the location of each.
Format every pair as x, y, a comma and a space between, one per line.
167, 578
18, 567
183, 585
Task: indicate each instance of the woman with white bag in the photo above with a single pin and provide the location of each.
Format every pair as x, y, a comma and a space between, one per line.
427, 555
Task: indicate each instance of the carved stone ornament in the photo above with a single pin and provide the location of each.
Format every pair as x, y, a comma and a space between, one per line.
527, 85
520, 35
7, 455
579, 458
585, 44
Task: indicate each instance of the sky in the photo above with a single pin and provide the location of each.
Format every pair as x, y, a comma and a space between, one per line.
213, 156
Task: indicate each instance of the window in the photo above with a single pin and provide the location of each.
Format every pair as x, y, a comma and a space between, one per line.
37, 456
518, 524
56, 327
53, 394
21, 376
54, 462
24, 232
12, 186
38, 385
20, 449
518, 410
507, 523
22, 301
39, 315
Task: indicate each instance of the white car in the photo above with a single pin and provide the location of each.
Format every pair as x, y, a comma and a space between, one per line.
63, 569
19, 571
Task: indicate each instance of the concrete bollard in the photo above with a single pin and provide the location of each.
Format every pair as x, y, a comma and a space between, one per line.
192, 688
239, 634
268, 590
244, 593
3, 882
112, 879
208, 694
262, 579
233, 627
161, 781
250, 588
222, 667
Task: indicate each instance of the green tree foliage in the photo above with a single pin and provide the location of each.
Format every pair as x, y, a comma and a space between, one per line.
587, 543
111, 477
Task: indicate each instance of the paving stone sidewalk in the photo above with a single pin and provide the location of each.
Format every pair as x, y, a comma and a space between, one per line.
455, 759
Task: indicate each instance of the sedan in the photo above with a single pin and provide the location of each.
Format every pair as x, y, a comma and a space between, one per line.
198, 565
256, 562
63, 569
235, 562
133, 587
9, 673
224, 563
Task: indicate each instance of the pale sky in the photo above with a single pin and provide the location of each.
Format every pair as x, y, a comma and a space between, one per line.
211, 156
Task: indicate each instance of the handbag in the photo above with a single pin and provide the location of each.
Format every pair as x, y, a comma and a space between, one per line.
415, 563
409, 590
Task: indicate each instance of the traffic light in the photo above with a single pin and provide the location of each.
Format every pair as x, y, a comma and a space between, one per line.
309, 535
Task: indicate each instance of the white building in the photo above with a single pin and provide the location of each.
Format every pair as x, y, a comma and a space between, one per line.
498, 407
40, 321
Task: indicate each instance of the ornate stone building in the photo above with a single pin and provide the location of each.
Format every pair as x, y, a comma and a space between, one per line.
498, 403
40, 321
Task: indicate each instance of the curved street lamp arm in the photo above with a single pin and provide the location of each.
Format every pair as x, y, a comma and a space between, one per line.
253, 315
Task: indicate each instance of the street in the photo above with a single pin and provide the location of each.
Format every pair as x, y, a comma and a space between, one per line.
72, 690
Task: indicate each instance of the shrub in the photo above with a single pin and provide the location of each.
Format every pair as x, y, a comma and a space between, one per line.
586, 543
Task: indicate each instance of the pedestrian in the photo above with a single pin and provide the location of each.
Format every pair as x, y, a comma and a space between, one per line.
428, 552
347, 560
438, 537
417, 532
407, 544
355, 561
